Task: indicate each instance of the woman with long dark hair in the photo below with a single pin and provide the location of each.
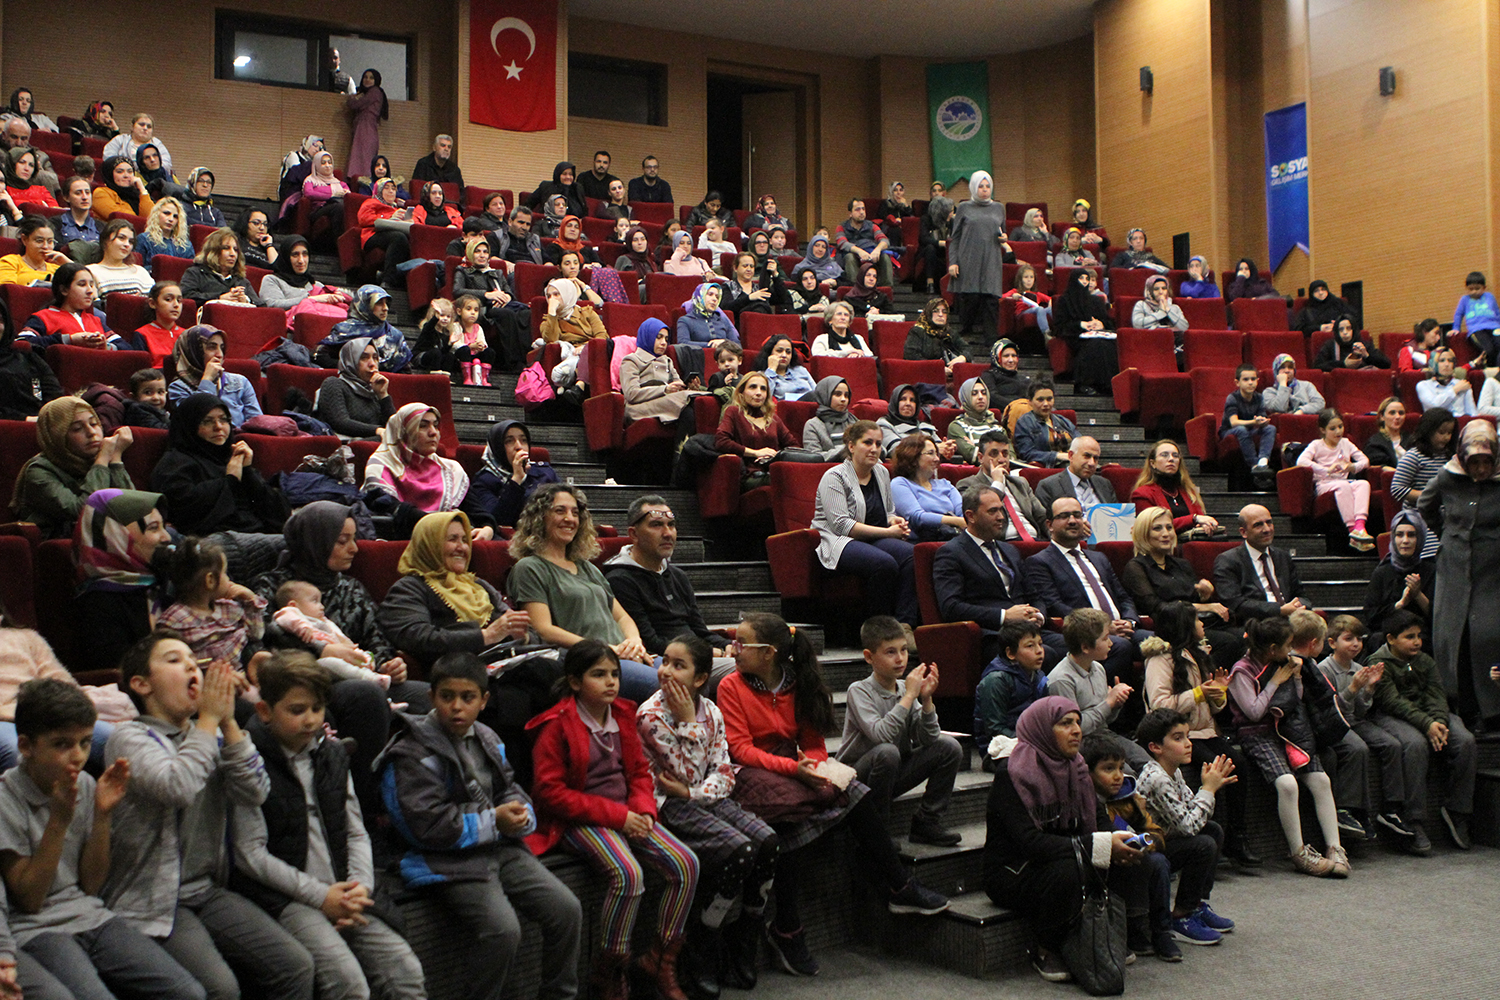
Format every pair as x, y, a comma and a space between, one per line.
368, 107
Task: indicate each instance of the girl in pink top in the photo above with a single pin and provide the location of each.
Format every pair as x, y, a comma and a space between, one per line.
1335, 462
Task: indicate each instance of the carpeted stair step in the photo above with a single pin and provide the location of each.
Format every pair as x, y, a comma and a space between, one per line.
747, 576
728, 605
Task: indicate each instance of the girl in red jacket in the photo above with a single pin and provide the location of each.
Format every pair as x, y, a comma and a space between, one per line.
594, 792
776, 712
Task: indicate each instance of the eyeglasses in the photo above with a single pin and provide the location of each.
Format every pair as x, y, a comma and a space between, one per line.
659, 518
1068, 515
737, 646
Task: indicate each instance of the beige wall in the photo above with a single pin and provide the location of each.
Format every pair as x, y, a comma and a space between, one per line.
148, 57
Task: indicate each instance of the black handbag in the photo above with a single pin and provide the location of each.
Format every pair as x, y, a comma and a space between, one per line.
1094, 949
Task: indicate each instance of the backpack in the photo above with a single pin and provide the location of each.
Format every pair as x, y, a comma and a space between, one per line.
533, 388
109, 403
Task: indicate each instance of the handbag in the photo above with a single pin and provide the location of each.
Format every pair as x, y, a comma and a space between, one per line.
533, 387
1094, 949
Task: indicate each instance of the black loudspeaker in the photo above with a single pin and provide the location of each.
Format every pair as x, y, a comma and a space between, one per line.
1387, 81
1146, 79
1182, 251
1353, 292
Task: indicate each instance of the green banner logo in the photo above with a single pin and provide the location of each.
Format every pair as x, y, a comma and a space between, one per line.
958, 106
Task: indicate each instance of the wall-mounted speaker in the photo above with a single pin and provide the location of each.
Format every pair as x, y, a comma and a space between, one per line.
1387, 81
1146, 79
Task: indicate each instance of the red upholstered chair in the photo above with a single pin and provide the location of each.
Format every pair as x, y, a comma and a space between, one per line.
431, 242
53, 144
1122, 478
1358, 390
757, 328
1294, 491
17, 444
55, 584
280, 378
890, 337
1129, 281
965, 370
894, 372
1202, 555
657, 213
1124, 309
1293, 428
1210, 387
275, 454
530, 280
954, 646
1018, 209
1213, 348
168, 268
141, 457
860, 373
310, 330
1034, 475
1262, 346
76, 367
1118, 554
1149, 383
247, 329
16, 584
126, 313
670, 290
719, 485
137, 222
375, 566
1204, 314
360, 266
1258, 314
352, 203
421, 286
24, 300
624, 319
792, 552
1033, 252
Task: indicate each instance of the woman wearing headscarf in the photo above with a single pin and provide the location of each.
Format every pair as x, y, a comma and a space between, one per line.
391, 237
702, 321
26, 381
380, 169
1003, 379
1248, 284
198, 203
569, 320
1157, 309
295, 167
408, 470
968, 427
116, 550
891, 211
508, 476
932, 243
1095, 237
1347, 349
1465, 499
1136, 255
439, 605
319, 548
637, 256
1083, 320
1044, 814
651, 384
198, 359
120, 190
432, 209
368, 107
153, 171
1403, 580
22, 106
21, 182
210, 484
564, 182
1321, 310
1289, 394
820, 261
1033, 229
1073, 253
766, 216
77, 459
905, 416
1199, 284
977, 252
570, 240
1445, 385
866, 298
292, 287
548, 222
930, 339
824, 432
99, 121
508, 319
356, 403
368, 318
325, 192
684, 262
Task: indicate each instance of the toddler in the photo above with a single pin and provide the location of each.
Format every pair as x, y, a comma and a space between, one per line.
147, 405
215, 616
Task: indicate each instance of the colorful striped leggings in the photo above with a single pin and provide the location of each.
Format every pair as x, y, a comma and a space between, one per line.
618, 859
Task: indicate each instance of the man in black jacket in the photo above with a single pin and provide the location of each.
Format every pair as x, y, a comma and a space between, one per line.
1255, 580
656, 594
441, 165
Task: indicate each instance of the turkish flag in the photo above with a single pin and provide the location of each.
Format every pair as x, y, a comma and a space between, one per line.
513, 64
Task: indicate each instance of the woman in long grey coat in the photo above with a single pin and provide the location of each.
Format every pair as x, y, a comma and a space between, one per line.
649, 380
824, 433
976, 258
860, 532
1465, 498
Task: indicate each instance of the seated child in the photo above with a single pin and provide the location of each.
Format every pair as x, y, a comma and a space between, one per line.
1080, 677
300, 611
215, 616
594, 793
891, 734
160, 335
168, 849
729, 355
147, 405
466, 340
54, 853
682, 734
1008, 686
1147, 886
20, 974
1193, 839
1345, 758
1411, 705
453, 798
1355, 684
1266, 696
315, 872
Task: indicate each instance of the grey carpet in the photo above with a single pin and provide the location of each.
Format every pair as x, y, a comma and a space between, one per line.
1400, 928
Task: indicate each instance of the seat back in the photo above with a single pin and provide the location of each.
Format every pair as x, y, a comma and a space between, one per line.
274, 453
1358, 390
657, 213
247, 329
1213, 348
1210, 388
431, 242
165, 267
670, 290
1262, 346
1258, 314
1129, 281
310, 329
1204, 314
531, 279
375, 566
17, 444
54, 574
757, 328
794, 493
623, 319
436, 390
923, 555
1147, 351
795, 413
1121, 477
141, 457
860, 373
895, 371
76, 367
1118, 554
16, 583
890, 337
1201, 555
25, 300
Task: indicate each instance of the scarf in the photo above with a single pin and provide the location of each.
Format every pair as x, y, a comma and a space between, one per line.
1152, 283
389, 342
569, 294
549, 211
1001, 345
317, 171
974, 179
698, 304
283, 265
160, 173
1477, 435
1088, 222
833, 419
183, 434
575, 246
1413, 562
643, 263
192, 183
1077, 301
1432, 366
14, 107
972, 414
1280, 360
893, 411
647, 332
349, 356
424, 558
825, 267
187, 354
494, 449
131, 195
429, 483
310, 534
838, 341
925, 324
1056, 790
91, 116
860, 293
101, 541
52, 423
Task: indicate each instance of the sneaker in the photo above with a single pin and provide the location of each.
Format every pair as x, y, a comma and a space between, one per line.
930, 831
1349, 826
1419, 844
791, 950
1391, 821
1208, 918
1360, 541
1458, 828
1130, 958
1340, 859
1309, 862
1050, 967
1166, 947
1191, 930
1138, 936
914, 897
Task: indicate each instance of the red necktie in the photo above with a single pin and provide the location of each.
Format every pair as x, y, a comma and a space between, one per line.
1015, 518
1092, 578
1265, 561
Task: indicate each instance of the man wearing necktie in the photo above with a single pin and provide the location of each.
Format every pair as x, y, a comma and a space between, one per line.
1078, 480
1257, 580
1025, 516
1065, 575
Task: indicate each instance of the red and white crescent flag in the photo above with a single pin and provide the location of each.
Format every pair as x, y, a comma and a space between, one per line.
513, 64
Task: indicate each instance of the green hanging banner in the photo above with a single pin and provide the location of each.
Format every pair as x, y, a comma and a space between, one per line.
958, 106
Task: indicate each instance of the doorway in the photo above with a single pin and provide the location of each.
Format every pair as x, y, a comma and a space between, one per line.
756, 142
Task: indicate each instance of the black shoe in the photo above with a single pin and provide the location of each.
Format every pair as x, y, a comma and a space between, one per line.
1349, 827
1391, 821
739, 957
1138, 937
1088, 390
1166, 947
791, 951
1239, 850
914, 897
987, 764
698, 969
1419, 843
930, 831
1458, 828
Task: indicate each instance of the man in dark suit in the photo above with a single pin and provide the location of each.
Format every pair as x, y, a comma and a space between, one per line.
980, 578
1065, 575
1026, 518
1078, 480
1256, 580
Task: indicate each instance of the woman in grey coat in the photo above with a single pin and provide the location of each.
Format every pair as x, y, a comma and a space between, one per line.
860, 532
977, 253
1289, 394
1465, 498
824, 433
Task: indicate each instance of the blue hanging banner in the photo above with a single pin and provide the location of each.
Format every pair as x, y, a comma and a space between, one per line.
1286, 182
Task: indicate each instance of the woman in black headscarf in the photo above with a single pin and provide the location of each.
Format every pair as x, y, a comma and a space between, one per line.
23, 106
564, 182
1322, 310
158, 179
1403, 581
356, 403
1082, 319
207, 483
1248, 284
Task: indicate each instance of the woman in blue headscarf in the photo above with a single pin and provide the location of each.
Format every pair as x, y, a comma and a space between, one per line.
367, 318
702, 321
650, 381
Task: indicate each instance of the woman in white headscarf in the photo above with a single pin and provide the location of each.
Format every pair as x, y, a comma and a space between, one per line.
977, 253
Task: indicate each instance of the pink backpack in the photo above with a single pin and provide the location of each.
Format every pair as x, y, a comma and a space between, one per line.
533, 387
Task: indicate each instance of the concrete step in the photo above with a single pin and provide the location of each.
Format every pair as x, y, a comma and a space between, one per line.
1349, 595
728, 605
745, 576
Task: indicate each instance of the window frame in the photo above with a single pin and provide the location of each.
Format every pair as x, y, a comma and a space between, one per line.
227, 23
654, 74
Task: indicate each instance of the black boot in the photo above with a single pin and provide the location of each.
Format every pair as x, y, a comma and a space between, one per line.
698, 970
1238, 850
740, 955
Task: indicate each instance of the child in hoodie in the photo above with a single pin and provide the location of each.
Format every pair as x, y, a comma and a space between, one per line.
1008, 686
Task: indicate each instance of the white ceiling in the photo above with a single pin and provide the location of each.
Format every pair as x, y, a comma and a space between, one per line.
948, 30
